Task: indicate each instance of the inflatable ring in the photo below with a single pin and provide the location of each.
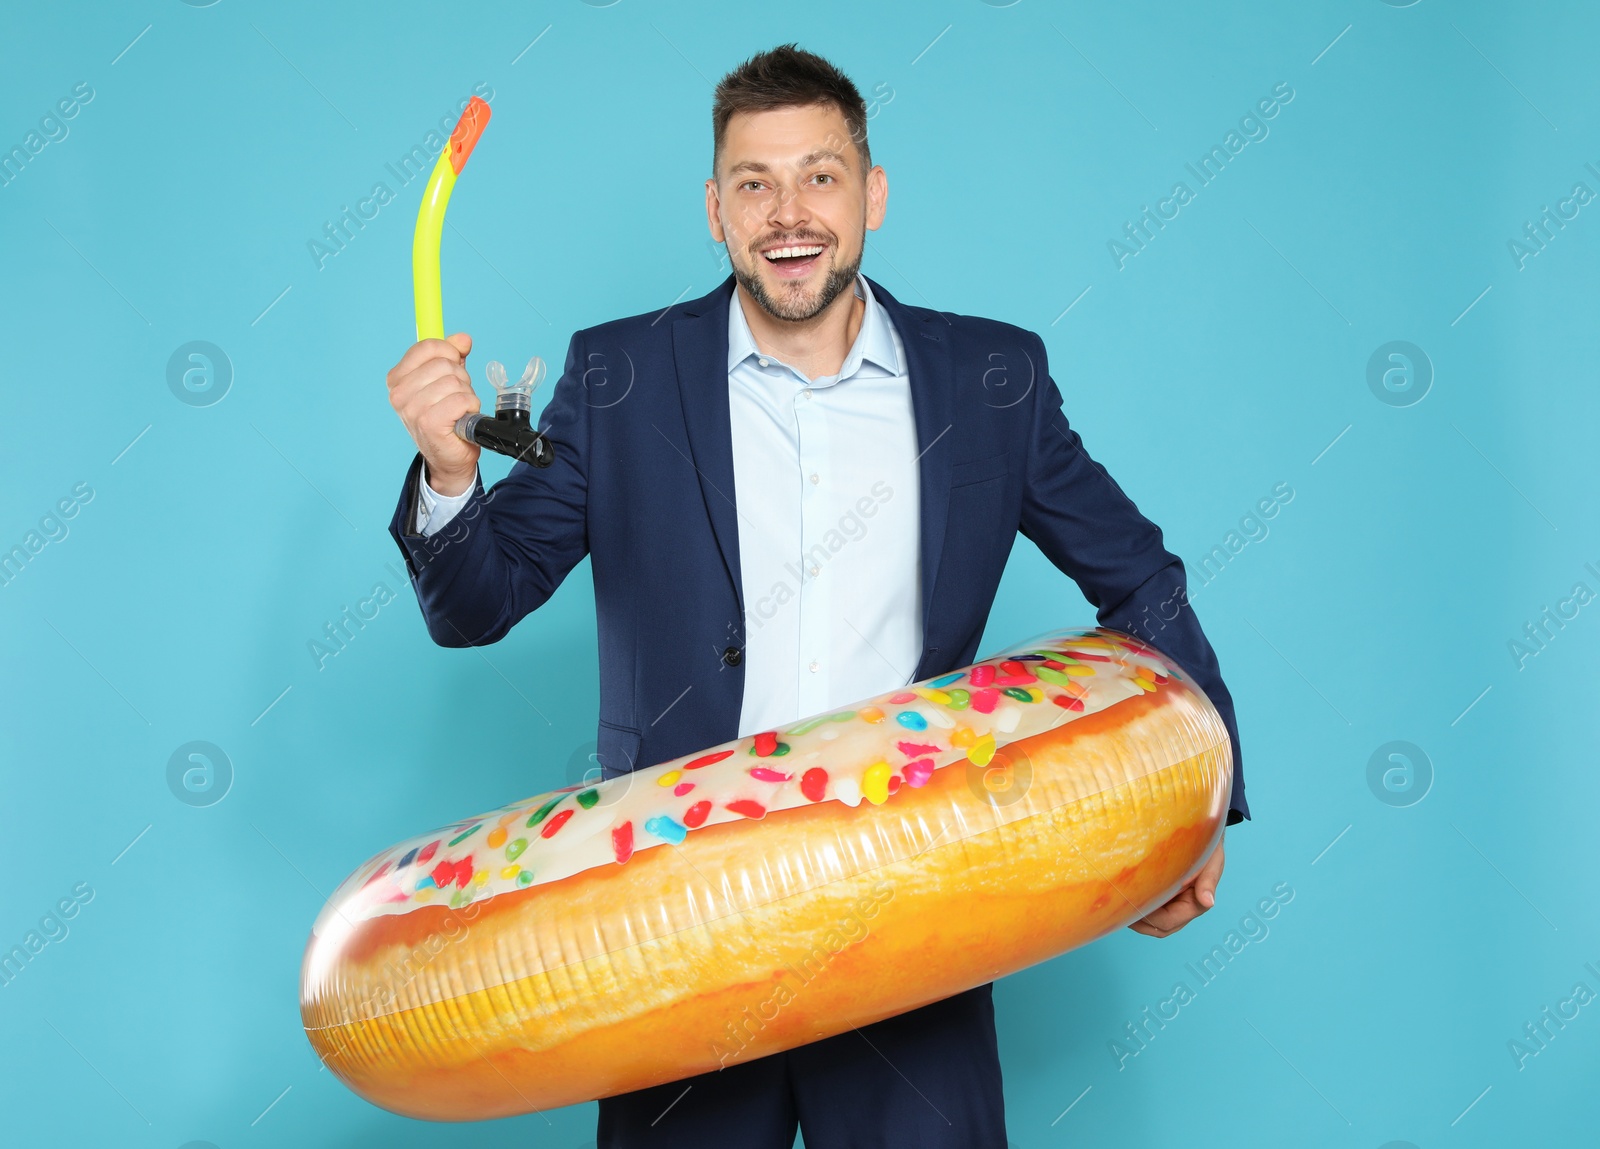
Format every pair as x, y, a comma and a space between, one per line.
771, 891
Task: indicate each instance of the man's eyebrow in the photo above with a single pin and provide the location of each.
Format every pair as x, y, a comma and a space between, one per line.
805, 161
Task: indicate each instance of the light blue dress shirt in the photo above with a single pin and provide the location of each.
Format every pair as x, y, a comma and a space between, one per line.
828, 496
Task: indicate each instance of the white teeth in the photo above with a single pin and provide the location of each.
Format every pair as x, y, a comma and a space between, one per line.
782, 252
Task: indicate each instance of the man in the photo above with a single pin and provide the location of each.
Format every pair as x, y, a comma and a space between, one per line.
796, 492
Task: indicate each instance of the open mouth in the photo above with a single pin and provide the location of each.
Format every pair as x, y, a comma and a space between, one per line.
794, 261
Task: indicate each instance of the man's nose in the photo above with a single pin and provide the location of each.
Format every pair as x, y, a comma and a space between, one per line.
788, 209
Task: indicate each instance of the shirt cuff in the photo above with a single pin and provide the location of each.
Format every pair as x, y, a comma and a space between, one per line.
434, 511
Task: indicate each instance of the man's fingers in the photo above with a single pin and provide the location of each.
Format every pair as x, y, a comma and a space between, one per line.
427, 381
422, 351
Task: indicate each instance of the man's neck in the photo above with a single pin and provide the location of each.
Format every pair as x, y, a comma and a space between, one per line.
815, 347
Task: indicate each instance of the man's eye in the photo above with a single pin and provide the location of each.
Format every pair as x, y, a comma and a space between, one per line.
751, 183
824, 176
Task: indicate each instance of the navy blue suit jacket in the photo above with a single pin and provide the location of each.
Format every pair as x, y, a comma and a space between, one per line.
643, 482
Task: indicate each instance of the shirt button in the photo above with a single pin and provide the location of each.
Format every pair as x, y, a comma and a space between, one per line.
732, 656
763, 362
815, 570
814, 478
806, 393
815, 666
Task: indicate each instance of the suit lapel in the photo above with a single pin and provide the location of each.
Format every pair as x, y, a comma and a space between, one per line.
700, 351
924, 335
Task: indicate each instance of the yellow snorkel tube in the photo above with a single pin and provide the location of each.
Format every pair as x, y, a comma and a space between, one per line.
509, 431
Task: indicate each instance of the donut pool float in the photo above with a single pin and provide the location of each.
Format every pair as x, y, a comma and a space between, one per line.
777, 889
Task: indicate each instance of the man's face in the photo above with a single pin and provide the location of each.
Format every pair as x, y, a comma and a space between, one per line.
791, 181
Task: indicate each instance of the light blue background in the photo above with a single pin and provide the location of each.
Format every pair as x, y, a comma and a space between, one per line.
1222, 360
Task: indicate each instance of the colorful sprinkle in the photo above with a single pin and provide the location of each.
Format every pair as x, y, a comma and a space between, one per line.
696, 815
707, 759
670, 778
762, 774
947, 679
900, 698
1058, 677
410, 856
917, 773
911, 720
847, 790
871, 714
1019, 694
747, 808
959, 699
428, 852
588, 798
525, 877
543, 812
916, 749
936, 696
622, 842
875, 783
682, 788
814, 783
894, 783
666, 829
555, 824
507, 873
465, 834
514, 850
481, 878
962, 736
1067, 702
982, 751
766, 742
983, 701
497, 837
981, 675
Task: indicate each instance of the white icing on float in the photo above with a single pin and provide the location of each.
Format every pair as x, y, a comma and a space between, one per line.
867, 752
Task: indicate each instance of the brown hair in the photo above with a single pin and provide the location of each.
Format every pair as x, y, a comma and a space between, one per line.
787, 77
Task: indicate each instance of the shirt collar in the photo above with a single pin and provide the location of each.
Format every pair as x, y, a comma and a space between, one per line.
874, 342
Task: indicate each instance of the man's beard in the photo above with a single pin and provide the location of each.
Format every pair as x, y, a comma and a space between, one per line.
796, 309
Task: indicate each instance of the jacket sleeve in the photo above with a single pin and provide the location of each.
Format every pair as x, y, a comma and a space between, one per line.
1084, 523
507, 550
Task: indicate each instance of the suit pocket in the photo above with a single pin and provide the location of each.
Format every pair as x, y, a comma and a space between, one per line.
978, 470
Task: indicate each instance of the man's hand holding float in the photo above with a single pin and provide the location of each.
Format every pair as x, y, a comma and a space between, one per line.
430, 389
1188, 903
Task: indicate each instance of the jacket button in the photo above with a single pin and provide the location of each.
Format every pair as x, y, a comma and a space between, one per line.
732, 656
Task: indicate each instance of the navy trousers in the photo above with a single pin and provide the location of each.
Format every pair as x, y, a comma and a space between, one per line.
928, 1079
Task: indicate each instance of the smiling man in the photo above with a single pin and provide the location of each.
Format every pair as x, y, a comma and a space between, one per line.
796, 492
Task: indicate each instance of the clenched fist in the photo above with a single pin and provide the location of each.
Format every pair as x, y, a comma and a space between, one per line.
430, 389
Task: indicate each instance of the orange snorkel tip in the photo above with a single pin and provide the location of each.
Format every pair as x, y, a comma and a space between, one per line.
468, 129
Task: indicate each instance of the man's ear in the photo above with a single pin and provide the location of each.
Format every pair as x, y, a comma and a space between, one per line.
877, 197
714, 212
